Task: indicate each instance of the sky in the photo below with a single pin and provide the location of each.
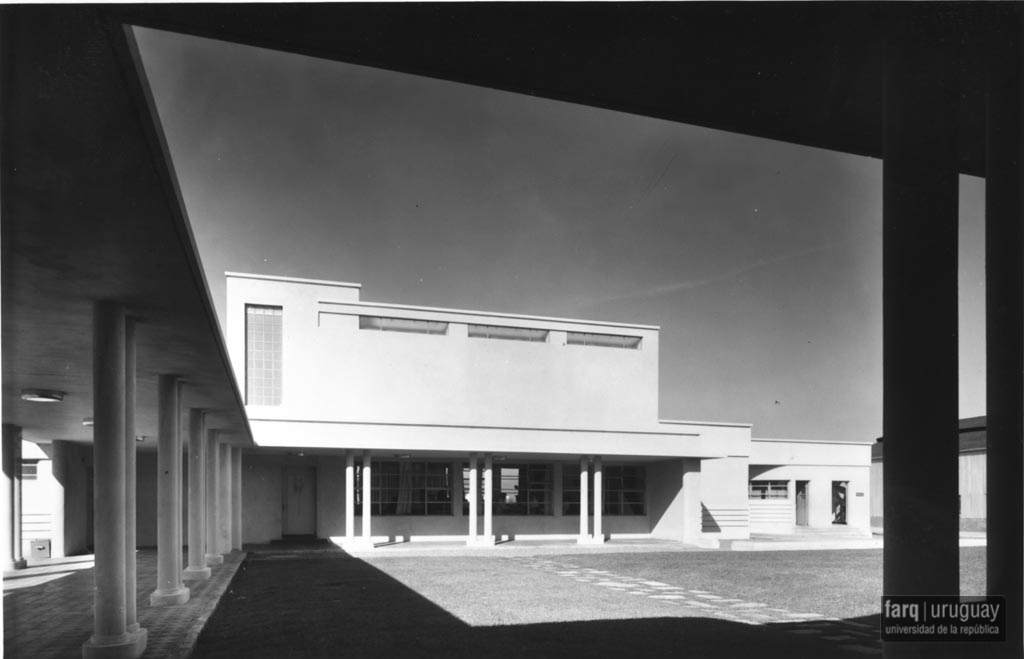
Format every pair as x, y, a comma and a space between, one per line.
761, 261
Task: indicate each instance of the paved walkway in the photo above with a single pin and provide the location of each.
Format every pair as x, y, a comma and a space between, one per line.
850, 635
48, 608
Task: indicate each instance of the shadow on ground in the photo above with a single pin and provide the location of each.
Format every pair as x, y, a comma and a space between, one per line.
289, 601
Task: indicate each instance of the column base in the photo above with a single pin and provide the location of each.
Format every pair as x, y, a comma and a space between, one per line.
480, 541
19, 564
194, 573
126, 646
590, 540
171, 598
359, 543
214, 559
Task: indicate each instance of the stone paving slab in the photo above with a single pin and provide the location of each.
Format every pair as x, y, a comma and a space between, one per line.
48, 610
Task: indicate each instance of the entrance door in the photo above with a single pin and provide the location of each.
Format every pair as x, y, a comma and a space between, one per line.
801, 503
299, 501
839, 501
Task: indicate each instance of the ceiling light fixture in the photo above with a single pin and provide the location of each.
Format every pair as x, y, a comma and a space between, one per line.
42, 395
402, 456
87, 422
140, 438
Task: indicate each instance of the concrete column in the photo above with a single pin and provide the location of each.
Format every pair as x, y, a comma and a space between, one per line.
197, 568
474, 488
350, 496
169, 588
179, 482
921, 89
236, 498
224, 500
367, 493
584, 499
791, 485
598, 501
488, 537
692, 517
213, 554
458, 494
11, 489
130, 573
557, 485
58, 533
111, 637
1004, 288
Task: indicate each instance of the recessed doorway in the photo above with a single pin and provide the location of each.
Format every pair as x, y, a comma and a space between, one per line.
299, 501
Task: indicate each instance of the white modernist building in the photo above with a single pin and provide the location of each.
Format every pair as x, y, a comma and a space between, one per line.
376, 422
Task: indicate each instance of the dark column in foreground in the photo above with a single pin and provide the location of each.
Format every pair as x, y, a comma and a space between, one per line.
1004, 277
920, 195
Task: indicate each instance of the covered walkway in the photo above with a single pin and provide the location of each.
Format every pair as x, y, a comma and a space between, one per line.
48, 608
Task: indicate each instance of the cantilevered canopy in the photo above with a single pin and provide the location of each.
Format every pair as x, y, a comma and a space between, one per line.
91, 208
91, 212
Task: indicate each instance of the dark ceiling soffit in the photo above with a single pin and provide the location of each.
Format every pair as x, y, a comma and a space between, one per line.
129, 62
696, 63
563, 52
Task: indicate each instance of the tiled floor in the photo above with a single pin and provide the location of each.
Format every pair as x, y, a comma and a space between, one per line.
48, 608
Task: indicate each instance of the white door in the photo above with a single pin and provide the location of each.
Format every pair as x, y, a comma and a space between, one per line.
299, 501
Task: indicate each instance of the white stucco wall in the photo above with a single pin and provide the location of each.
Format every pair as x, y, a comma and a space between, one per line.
819, 495
724, 504
333, 371
820, 463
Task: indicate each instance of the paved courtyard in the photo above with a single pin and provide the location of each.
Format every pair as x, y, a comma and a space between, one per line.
48, 609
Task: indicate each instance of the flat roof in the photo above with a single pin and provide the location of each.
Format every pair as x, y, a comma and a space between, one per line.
489, 314
810, 441
296, 280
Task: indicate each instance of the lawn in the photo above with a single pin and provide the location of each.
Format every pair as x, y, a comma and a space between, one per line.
329, 604
837, 583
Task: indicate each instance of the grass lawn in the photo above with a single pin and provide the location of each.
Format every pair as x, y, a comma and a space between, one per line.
840, 583
329, 604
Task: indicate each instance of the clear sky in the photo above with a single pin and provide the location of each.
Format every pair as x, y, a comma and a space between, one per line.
760, 260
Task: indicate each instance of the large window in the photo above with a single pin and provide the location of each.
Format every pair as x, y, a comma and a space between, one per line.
571, 489
523, 489
769, 489
519, 489
262, 355
624, 488
407, 488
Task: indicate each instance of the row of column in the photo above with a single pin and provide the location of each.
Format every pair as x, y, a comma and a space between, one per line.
588, 465
214, 491
214, 498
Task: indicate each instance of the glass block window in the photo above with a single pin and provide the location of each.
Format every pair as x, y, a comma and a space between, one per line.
263, 340
769, 490
603, 340
624, 490
508, 333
